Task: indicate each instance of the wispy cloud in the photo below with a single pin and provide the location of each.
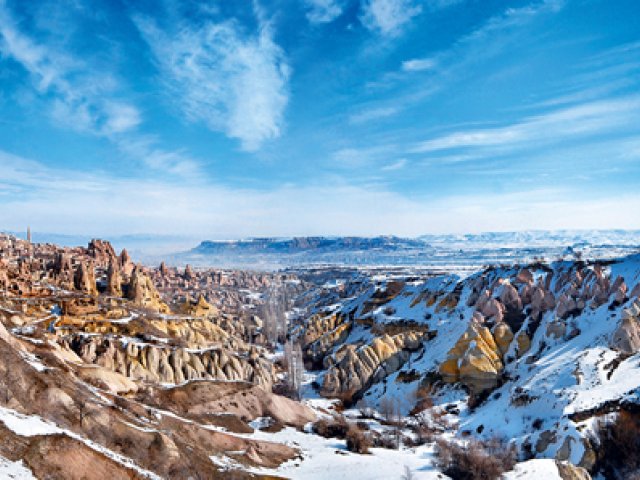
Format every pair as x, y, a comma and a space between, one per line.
82, 100
372, 114
355, 158
323, 11
558, 125
57, 198
145, 148
397, 165
388, 17
234, 82
419, 64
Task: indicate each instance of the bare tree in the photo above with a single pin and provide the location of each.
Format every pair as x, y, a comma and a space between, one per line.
295, 368
272, 312
408, 474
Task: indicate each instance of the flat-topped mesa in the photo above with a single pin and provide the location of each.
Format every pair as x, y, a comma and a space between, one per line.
85, 278
143, 293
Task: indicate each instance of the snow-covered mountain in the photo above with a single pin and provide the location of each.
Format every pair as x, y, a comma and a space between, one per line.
537, 354
449, 252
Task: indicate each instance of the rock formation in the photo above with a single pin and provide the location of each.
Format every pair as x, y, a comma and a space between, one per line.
143, 293
85, 278
114, 280
174, 365
356, 369
475, 360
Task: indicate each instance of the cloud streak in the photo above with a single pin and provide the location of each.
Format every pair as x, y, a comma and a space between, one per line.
556, 126
148, 206
232, 81
83, 101
323, 11
388, 17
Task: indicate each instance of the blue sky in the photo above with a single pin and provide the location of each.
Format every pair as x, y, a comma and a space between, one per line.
299, 117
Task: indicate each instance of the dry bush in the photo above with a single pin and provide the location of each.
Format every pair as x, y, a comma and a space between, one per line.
358, 441
388, 440
439, 418
366, 410
425, 432
424, 400
334, 427
475, 460
618, 446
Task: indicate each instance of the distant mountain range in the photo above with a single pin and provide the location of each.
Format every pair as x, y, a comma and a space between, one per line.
307, 244
443, 252
437, 251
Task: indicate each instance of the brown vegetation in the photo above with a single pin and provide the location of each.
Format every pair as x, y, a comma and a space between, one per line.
475, 460
618, 447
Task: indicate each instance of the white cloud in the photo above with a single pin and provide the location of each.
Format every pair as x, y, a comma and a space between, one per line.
233, 82
388, 17
323, 11
121, 117
419, 64
82, 100
372, 114
57, 199
145, 148
397, 165
589, 118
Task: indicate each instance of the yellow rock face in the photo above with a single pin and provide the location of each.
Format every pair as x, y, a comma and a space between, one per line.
143, 293
475, 359
201, 308
197, 333
503, 336
524, 343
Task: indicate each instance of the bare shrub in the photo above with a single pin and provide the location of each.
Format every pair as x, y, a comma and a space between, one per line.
366, 411
618, 446
336, 427
358, 441
388, 440
475, 460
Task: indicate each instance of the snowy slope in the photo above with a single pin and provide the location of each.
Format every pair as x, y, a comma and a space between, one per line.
546, 399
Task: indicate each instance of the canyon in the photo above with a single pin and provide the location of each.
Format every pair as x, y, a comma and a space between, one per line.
111, 367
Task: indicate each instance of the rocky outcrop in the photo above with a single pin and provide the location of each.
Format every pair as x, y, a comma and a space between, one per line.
102, 252
246, 401
568, 471
85, 278
114, 280
63, 271
322, 333
197, 333
105, 379
356, 369
143, 292
188, 273
126, 264
476, 359
175, 365
626, 338
200, 308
